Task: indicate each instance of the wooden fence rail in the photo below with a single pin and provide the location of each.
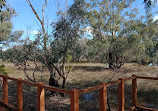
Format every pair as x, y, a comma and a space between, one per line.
75, 93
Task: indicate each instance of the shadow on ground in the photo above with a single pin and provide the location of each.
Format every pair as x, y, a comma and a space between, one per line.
90, 68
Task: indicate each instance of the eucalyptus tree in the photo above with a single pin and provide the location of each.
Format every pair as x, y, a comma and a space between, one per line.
66, 34
53, 50
78, 50
150, 31
107, 19
150, 39
97, 50
117, 32
6, 14
6, 34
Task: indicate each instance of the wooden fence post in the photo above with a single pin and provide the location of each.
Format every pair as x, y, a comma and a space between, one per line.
121, 94
103, 98
5, 90
74, 100
20, 95
134, 91
41, 97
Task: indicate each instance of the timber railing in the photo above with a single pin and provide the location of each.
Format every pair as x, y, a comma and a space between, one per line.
75, 93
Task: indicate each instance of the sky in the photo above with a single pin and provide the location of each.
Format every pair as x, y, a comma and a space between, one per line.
26, 20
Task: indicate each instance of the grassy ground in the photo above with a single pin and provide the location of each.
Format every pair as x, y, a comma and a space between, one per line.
90, 74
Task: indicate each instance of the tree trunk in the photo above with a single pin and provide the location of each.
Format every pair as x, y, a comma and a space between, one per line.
114, 61
63, 86
52, 80
64, 83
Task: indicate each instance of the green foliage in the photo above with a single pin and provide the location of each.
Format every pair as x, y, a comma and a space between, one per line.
118, 35
78, 50
97, 50
68, 57
2, 70
6, 13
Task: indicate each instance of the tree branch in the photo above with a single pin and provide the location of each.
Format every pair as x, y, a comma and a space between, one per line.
43, 9
34, 11
25, 72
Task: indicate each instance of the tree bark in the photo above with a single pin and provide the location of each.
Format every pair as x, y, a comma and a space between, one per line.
64, 83
114, 61
52, 80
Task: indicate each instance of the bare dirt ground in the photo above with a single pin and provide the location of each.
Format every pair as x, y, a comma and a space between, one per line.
86, 75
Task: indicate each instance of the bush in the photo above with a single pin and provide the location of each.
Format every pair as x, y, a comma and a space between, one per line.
2, 70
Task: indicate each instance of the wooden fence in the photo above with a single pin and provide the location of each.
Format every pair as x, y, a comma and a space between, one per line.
75, 93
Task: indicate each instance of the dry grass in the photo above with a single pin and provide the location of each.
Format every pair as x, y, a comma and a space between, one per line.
90, 74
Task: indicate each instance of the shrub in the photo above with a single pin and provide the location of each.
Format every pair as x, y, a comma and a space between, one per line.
2, 70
